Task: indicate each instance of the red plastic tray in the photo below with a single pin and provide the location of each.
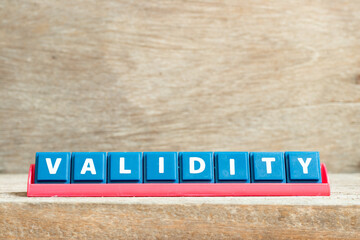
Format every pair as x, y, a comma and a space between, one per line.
178, 190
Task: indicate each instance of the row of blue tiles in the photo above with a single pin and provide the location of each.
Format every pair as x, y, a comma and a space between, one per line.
174, 167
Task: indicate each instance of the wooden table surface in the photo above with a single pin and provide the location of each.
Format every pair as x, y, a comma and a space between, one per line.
152, 75
334, 217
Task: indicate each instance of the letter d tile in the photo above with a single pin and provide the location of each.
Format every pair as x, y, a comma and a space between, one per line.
196, 167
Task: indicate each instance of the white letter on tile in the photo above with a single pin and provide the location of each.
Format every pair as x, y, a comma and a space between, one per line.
88, 166
304, 164
232, 166
122, 167
53, 169
192, 165
161, 165
268, 164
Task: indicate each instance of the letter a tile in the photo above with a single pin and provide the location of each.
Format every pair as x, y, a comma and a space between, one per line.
88, 167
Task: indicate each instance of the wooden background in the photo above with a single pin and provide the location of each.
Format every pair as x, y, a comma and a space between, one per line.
180, 76
334, 217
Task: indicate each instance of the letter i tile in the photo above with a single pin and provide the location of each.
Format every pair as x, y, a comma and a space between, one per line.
161, 167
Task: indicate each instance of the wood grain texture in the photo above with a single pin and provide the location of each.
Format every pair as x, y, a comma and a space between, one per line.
334, 217
180, 76
88, 221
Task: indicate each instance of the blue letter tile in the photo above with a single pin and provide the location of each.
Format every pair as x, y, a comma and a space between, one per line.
232, 167
303, 167
267, 167
125, 167
197, 167
52, 167
89, 167
161, 167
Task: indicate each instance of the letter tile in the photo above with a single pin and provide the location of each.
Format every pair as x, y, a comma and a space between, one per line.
88, 167
267, 167
303, 167
52, 167
196, 167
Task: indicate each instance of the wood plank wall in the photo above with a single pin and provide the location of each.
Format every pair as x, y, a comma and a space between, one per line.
152, 75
